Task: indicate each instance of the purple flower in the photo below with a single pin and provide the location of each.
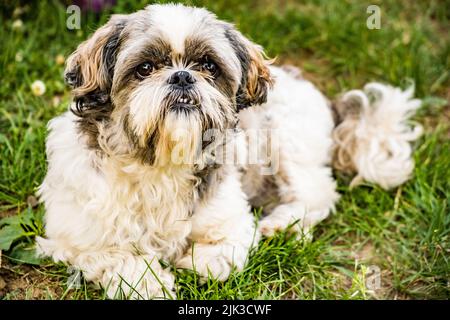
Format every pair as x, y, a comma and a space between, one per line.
94, 5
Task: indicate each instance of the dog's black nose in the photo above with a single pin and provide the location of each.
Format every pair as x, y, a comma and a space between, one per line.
182, 80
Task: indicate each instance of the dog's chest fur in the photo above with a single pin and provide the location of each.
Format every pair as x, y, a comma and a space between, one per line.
154, 206
114, 204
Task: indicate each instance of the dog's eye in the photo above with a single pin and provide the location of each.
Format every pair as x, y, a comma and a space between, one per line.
211, 67
144, 70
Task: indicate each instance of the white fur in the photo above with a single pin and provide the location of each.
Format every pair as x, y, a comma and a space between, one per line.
303, 120
221, 232
383, 151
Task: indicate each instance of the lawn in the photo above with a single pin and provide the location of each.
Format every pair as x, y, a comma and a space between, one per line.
378, 244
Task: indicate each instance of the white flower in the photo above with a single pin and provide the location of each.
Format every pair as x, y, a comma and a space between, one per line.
17, 24
38, 88
19, 57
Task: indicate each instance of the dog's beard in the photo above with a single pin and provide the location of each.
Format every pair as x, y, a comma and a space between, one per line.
180, 138
171, 131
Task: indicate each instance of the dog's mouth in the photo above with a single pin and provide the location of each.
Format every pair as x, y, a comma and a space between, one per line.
183, 102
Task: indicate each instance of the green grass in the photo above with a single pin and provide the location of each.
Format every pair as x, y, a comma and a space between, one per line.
404, 232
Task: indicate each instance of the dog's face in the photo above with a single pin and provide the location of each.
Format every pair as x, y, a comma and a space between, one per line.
167, 70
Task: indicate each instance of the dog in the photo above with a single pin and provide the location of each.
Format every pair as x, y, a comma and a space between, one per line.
155, 159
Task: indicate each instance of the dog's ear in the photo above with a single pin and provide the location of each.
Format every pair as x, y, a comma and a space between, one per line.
256, 78
89, 69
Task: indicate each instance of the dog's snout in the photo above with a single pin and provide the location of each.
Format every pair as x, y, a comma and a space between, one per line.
182, 79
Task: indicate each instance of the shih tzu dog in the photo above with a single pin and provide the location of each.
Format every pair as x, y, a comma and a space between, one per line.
158, 158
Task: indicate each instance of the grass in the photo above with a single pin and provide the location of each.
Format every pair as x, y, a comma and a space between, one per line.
403, 233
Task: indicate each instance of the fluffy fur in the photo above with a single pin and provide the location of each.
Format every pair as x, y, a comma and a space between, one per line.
373, 138
136, 177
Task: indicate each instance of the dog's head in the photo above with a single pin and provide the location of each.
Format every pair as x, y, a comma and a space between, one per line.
162, 69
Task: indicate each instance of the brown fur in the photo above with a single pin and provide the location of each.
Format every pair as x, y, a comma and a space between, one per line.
347, 118
259, 79
87, 60
89, 72
256, 78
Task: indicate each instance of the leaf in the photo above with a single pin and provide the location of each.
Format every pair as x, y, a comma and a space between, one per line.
8, 234
27, 216
10, 220
25, 253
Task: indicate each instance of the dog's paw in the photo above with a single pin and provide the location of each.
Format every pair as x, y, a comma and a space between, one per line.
282, 219
141, 281
277, 221
215, 260
269, 226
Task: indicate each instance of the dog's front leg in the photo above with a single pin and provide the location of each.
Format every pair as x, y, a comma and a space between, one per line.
126, 275
122, 273
223, 231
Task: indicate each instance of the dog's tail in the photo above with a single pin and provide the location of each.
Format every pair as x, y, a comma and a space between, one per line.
373, 135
